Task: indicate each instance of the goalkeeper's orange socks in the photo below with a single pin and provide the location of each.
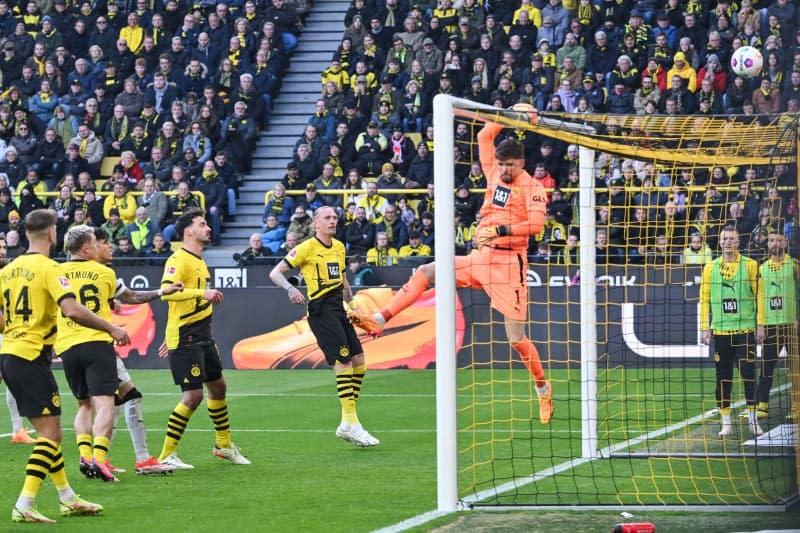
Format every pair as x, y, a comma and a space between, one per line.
344, 389
407, 295
530, 356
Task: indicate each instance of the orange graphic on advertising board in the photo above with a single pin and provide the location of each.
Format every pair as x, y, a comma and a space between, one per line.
409, 341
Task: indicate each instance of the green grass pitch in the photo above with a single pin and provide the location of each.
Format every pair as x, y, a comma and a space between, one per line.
304, 479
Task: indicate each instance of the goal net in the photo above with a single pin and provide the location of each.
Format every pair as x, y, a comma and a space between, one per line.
614, 312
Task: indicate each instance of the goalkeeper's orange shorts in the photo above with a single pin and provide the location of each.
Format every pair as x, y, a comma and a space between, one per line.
502, 274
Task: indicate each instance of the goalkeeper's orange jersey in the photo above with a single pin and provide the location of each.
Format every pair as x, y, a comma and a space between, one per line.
521, 205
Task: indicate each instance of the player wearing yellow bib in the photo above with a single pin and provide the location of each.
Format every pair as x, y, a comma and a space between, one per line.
778, 313
321, 261
728, 295
193, 355
33, 290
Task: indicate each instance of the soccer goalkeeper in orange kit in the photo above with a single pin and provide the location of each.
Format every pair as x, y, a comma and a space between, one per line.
513, 209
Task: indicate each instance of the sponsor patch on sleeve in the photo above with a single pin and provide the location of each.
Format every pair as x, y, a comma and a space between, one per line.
64, 282
171, 270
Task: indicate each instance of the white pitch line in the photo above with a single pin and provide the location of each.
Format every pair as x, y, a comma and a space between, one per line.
423, 518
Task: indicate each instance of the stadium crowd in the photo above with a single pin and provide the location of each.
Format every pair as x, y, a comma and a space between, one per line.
371, 129
165, 96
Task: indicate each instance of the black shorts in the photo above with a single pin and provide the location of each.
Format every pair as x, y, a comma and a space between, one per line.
335, 334
32, 383
194, 364
91, 369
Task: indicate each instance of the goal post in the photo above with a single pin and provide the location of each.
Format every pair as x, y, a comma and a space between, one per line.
635, 421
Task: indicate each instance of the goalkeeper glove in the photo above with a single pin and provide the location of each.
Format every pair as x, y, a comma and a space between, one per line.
489, 233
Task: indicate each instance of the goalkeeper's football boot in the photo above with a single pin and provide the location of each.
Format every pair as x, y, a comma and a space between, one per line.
78, 506
373, 323
546, 405
30, 515
232, 454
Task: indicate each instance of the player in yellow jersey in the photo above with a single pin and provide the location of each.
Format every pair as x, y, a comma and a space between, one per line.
33, 290
193, 355
321, 261
90, 361
128, 397
19, 434
728, 311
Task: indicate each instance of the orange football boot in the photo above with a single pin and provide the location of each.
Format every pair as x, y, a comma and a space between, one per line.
408, 340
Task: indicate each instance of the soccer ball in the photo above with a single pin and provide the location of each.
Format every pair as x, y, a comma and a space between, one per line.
747, 62
526, 112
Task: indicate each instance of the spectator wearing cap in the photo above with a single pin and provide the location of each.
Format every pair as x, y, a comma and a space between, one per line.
540, 77
713, 70
600, 56
372, 150
638, 22
415, 247
595, 94
665, 27
468, 35
336, 74
430, 57
476, 90
10, 63
49, 36
573, 50
387, 92
560, 19
684, 70
386, 117
114, 226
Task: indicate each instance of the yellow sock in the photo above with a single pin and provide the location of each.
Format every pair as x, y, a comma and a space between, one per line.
218, 411
100, 449
358, 380
39, 463
763, 406
58, 473
176, 425
85, 446
344, 387
725, 411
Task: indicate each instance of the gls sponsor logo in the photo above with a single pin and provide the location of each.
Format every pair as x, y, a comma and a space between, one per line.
535, 280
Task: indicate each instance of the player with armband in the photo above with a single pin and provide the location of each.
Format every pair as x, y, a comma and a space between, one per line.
513, 209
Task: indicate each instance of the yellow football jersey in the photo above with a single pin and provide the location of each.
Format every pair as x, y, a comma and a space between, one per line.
32, 286
322, 266
189, 320
94, 285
